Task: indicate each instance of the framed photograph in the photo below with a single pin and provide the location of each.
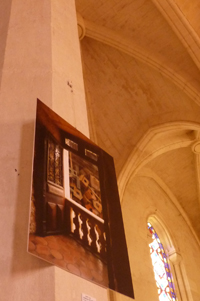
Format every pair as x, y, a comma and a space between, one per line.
75, 213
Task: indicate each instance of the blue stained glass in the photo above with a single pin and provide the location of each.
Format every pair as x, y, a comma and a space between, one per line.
161, 268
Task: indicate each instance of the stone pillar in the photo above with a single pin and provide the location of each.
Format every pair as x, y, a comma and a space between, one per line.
180, 287
68, 96
39, 58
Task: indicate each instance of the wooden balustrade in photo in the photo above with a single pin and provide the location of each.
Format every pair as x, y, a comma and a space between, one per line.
86, 228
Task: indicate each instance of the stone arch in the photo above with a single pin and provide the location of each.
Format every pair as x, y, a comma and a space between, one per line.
156, 141
151, 175
173, 253
141, 204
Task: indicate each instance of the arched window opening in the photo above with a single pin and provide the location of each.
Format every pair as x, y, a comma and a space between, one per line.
161, 268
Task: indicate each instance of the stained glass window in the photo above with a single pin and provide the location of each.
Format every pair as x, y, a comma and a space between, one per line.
160, 264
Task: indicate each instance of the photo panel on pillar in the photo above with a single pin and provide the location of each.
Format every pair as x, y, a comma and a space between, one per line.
75, 214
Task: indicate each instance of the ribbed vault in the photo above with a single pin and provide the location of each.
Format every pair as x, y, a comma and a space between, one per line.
141, 64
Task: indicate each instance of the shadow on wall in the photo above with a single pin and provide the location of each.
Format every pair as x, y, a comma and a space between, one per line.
4, 23
23, 262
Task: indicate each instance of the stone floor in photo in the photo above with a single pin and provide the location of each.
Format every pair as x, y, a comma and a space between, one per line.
65, 252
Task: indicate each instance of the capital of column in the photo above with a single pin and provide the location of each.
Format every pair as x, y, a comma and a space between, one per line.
196, 147
81, 26
175, 258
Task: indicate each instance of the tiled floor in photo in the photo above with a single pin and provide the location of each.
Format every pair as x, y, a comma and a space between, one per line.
66, 253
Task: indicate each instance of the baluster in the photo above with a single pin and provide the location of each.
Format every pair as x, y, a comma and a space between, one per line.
72, 225
105, 244
93, 237
102, 241
80, 226
88, 230
76, 223
98, 233
85, 230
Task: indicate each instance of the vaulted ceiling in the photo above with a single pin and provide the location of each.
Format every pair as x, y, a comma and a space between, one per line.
141, 65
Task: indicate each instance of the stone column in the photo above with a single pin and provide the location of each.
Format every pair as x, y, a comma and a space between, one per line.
176, 263
39, 58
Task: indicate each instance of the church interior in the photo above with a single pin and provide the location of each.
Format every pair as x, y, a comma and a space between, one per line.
128, 77
143, 93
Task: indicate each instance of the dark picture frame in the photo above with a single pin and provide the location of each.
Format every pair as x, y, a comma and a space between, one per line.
93, 195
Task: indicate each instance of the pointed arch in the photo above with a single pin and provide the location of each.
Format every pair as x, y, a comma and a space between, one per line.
161, 268
146, 172
156, 141
173, 254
